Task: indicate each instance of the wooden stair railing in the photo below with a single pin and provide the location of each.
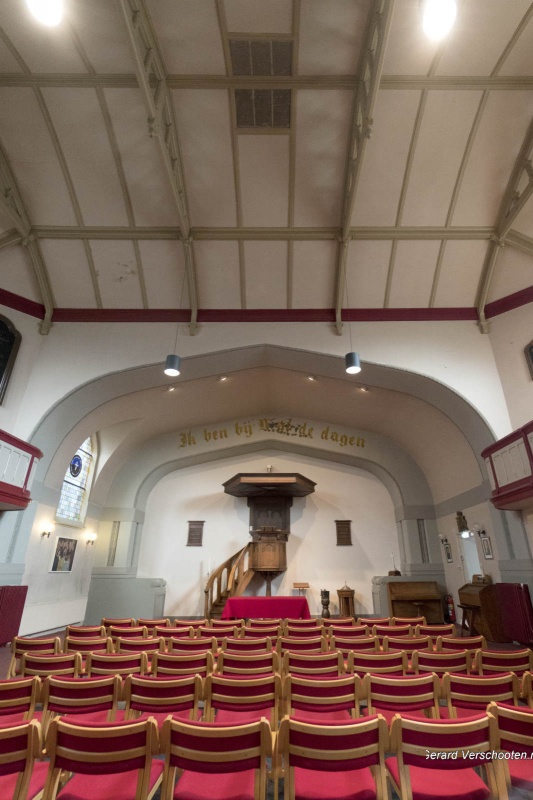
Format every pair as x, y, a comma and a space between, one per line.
227, 580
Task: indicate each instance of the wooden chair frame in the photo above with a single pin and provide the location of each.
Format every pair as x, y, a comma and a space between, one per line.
497, 684
24, 644
268, 690
28, 755
374, 688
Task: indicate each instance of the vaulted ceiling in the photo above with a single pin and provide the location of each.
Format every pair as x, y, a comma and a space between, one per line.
265, 159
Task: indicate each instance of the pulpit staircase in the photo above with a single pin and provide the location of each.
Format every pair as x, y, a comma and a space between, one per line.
228, 580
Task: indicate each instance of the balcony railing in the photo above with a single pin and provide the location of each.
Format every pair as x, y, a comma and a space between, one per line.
18, 461
510, 466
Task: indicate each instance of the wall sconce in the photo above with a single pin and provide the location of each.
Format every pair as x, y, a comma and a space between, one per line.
48, 531
462, 525
91, 538
479, 530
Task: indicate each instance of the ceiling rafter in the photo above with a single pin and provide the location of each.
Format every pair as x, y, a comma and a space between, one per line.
10, 238
519, 190
14, 207
162, 126
520, 242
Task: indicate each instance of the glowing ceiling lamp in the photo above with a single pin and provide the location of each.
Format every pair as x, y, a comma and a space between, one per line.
49, 12
439, 16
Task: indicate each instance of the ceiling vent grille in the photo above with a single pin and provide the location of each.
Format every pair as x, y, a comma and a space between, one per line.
262, 108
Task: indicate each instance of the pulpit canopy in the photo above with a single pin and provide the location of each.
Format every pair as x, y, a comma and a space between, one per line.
260, 484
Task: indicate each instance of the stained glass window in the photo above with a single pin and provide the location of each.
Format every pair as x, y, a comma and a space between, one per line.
76, 484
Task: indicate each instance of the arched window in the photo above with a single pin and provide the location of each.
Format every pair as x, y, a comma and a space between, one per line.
77, 484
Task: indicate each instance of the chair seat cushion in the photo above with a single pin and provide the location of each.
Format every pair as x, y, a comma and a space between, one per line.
120, 786
224, 717
521, 773
350, 785
318, 717
205, 786
160, 716
389, 714
442, 784
37, 781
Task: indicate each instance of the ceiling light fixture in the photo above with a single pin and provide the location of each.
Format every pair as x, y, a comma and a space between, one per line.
223, 378
311, 378
438, 18
351, 359
48, 12
173, 362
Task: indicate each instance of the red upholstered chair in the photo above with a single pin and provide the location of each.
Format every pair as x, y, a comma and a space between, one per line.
371, 621
151, 624
18, 698
420, 771
468, 694
488, 662
230, 701
347, 631
407, 643
526, 689
314, 622
389, 695
22, 777
224, 623
215, 761
264, 623
313, 665
311, 644
218, 634
190, 623
148, 646
121, 632
445, 661
103, 644
192, 645
395, 631
333, 761
116, 664
259, 633
377, 663
159, 697
234, 664
348, 622
84, 631
80, 696
53, 664
22, 644
300, 632
318, 699
107, 621
461, 643
412, 621
108, 761
515, 735
364, 644
171, 631
434, 631
248, 645
175, 663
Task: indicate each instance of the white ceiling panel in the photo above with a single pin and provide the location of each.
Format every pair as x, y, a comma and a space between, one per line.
69, 272
524, 221
447, 121
491, 161
178, 25
266, 274
331, 35
164, 269
518, 61
264, 177
514, 272
17, 275
412, 278
78, 121
313, 274
43, 49
367, 268
256, 16
460, 272
205, 135
146, 177
321, 144
117, 274
25, 138
408, 51
383, 170
480, 35
102, 34
219, 282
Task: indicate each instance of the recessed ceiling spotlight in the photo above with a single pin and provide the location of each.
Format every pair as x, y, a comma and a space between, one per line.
223, 378
439, 16
363, 389
48, 12
311, 378
171, 389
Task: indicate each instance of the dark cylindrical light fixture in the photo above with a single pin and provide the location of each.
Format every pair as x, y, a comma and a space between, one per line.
353, 364
172, 366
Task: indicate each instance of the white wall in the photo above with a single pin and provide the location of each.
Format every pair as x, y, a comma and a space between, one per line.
509, 334
312, 555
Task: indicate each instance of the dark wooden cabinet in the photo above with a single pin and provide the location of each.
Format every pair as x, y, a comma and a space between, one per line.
416, 599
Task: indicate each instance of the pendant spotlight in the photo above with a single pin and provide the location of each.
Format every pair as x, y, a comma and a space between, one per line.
353, 363
172, 365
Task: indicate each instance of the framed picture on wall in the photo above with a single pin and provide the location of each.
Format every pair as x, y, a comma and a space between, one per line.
448, 553
486, 546
64, 555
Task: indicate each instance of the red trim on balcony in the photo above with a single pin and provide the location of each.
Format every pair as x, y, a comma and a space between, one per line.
13, 498
20, 444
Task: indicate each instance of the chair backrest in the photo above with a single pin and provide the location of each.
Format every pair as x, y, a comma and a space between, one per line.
347, 631
217, 633
391, 630
301, 632
490, 661
461, 643
150, 624
81, 695
52, 664
147, 645
99, 751
167, 694
115, 664
363, 644
396, 693
434, 631
107, 621
313, 664
314, 622
247, 644
224, 623
88, 645
192, 645
348, 622
311, 644
318, 695
213, 749
377, 663
85, 631
174, 663
264, 623
243, 694
407, 643
527, 688
330, 748
412, 621
23, 644
445, 661
245, 664
255, 633
189, 623
20, 746
122, 632
168, 631
371, 621
514, 728
474, 692
19, 696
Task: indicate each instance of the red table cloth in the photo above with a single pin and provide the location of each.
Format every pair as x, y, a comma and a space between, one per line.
256, 607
